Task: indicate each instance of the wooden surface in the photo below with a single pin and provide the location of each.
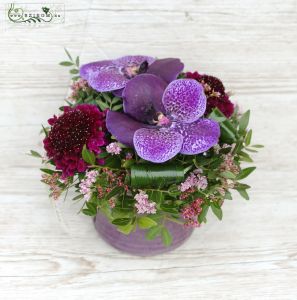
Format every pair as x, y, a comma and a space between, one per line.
249, 44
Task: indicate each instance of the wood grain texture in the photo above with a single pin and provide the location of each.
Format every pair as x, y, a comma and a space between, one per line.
252, 254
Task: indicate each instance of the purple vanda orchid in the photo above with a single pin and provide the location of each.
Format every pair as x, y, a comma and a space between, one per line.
163, 120
113, 75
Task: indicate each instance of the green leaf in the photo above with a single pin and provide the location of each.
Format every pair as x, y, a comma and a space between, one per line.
155, 196
117, 107
78, 197
248, 137
153, 232
126, 229
88, 212
74, 78
166, 237
103, 106
48, 171
216, 209
68, 54
66, 63
203, 213
88, 156
257, 146
92, 207
243, 194
244, 156
228, 131
228, 174
35, 154
115, 191
44, 130
113, 162
244, 121
121, 221
146, 222
102, 155
73, 71
106, 97
245, 172
156, 176
228, 195
77, 61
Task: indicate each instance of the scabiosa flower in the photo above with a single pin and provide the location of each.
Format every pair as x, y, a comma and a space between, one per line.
143, 205
113, 148
76, 127
215, 93
195, 179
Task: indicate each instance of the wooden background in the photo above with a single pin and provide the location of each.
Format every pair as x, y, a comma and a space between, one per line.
249, 44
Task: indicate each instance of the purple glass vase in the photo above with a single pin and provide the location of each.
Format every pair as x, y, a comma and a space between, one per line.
135, 243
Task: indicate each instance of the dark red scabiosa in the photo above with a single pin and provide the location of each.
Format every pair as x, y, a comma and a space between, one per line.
76, 127
215, 93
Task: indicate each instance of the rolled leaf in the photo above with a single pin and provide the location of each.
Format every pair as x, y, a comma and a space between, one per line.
156, 176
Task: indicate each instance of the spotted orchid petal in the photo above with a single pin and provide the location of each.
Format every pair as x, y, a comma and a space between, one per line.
131, 60
110, 75
94, 67
107, 80
143, 97
157, 145
198, 136
184, 100
122, 127
168, 68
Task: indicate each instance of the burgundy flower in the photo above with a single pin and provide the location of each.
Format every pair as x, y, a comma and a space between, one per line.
76, 127
215, 93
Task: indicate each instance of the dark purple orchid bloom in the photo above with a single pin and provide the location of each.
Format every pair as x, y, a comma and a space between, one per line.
113, 75
163, 120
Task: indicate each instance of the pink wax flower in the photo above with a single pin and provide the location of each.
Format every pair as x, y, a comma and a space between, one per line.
86, 184
143, 205
113, 148
195, 179
191, 212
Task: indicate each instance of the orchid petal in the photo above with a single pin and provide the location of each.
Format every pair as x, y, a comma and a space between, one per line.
198, 136
184, 100
143, 97
122, 127
157, 145
107, 80
118, 93
93, 67
128, 60
168, 68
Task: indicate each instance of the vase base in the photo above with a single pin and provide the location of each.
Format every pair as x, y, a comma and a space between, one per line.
135, 243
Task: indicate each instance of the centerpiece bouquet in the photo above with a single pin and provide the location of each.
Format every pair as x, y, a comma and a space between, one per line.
149, 149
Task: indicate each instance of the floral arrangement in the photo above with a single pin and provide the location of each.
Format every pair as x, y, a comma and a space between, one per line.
143, 142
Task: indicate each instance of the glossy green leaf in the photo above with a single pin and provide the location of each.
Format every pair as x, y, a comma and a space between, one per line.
66, 63
244, 121
216, 209
153, 232
202, 215
228, 174
156, 176
146, 222
166, 237
88, 156
245, 172
121, 221
248, 137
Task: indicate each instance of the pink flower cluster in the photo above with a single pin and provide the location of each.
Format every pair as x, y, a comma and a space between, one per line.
85, 185
143, 205
191, 212
113, 148
81, 84
195, 179
53, 182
